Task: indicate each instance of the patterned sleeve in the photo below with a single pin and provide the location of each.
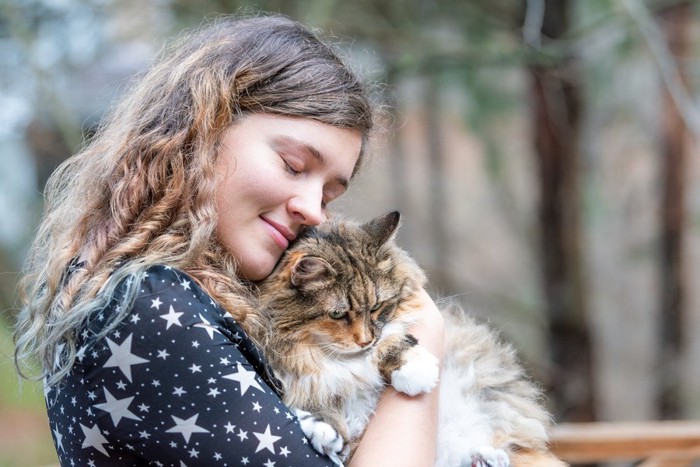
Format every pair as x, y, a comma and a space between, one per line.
177, 384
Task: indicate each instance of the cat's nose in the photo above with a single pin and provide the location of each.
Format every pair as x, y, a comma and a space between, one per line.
365, 342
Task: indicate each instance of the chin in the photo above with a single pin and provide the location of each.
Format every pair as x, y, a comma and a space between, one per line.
258, 271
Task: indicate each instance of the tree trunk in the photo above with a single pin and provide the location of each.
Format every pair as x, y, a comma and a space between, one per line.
438, 215
675, 23
556, 102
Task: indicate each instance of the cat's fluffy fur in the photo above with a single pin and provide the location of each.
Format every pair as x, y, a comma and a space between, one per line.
338, 308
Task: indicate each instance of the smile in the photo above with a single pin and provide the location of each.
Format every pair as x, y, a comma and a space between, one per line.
279, 233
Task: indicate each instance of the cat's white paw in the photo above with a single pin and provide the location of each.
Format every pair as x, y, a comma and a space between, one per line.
324, 439
487, 456
419, 374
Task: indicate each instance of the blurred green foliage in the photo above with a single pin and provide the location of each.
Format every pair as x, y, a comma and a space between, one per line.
25, 438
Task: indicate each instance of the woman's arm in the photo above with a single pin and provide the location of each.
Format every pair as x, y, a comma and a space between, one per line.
403, 430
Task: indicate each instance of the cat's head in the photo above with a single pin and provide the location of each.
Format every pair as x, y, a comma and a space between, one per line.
339, 285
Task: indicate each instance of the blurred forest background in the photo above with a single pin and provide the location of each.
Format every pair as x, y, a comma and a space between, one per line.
543, 154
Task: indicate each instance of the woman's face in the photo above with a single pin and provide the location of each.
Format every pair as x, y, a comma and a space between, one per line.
277, 176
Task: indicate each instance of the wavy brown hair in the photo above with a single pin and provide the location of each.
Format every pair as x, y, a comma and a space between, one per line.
142, 191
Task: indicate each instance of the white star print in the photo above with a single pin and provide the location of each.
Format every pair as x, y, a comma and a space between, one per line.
59, 439
139, 375
185, 284
267, 440
206, 325
186, 427
122, 356
245, 377
80, 354
172, 318
94, 439
117, 408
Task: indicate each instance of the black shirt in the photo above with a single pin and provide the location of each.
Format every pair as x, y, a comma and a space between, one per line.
176, 383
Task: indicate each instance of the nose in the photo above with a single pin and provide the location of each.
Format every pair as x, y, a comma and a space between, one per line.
307, 208
364, 337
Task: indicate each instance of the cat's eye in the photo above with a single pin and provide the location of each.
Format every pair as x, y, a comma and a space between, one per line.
376, 306
336, 314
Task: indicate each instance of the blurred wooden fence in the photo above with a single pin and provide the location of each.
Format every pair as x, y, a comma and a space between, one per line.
655, 444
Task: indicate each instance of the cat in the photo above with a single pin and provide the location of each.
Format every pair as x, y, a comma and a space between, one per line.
338, 307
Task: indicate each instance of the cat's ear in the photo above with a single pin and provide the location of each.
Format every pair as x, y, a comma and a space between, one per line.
311, 273
382, 228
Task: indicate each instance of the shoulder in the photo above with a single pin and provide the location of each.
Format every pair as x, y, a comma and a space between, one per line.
159, 298
170, 296
166, 280
162, 305
168, 304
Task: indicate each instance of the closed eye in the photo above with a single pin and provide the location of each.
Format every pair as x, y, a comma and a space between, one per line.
291, 168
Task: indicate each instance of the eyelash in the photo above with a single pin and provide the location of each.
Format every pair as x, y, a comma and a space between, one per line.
291, 169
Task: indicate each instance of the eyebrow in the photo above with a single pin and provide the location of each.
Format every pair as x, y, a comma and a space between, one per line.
315, 153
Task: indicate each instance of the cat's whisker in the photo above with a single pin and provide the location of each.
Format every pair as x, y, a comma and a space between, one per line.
449, 298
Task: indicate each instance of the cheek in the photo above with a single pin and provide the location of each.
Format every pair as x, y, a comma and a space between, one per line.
332, 332
228, 228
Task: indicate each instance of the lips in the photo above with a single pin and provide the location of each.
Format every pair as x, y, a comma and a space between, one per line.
279, 233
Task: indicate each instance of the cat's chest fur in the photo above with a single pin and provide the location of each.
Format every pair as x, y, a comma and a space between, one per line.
354, 383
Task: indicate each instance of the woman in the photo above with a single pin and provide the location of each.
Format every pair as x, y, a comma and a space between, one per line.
234, 142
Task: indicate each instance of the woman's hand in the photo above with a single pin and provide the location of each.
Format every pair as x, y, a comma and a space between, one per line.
403, 430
